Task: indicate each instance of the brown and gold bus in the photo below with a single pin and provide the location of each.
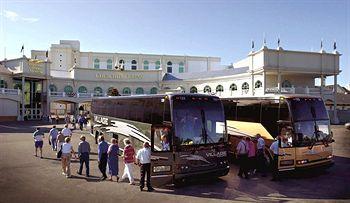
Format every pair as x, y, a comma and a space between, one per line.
193, 126
308, 142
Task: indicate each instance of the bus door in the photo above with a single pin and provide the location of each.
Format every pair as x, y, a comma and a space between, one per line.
287, 159
162, 161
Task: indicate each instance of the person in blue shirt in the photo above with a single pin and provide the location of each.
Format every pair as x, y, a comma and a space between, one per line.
102, 156
53, 137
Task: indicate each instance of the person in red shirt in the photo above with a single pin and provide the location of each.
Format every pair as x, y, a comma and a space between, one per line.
129, 159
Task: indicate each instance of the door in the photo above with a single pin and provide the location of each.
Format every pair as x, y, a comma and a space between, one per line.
287, 159
162, 160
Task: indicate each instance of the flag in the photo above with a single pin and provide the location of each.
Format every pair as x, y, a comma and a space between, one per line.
22, 49
335, 45
278, 42
321, 44
252, 44
47, 54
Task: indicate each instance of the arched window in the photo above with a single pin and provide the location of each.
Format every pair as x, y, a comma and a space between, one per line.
68, 89
127, 91
286, 83
193, 89
258, 84
207, 89
82, 89
97, 64
109, 91
121, 61
145, 65
245, 87
154, 90
219, 88
133, 65
139, 90
169, 67
109, 64
182, 89
181, 67
3, 84
157, 65
233, 87
98, 90
53, 88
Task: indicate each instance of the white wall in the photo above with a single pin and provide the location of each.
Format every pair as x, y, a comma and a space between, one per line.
8, 107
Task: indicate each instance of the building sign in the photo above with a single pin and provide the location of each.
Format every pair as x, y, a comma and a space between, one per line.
35, 67
119, 76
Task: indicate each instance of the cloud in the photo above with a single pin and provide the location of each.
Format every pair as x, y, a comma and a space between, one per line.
14, 17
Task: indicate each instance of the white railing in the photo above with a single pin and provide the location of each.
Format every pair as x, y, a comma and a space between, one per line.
76, 95
299, 90
10, 91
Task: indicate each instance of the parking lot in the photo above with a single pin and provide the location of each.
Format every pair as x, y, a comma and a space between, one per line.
25, 178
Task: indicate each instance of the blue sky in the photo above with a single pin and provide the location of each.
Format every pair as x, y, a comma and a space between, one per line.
192, 27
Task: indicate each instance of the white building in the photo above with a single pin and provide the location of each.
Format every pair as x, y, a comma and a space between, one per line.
69, 78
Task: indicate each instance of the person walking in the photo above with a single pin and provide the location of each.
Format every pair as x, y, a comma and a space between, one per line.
81, 122
53, 137
274, 148
83, 153
261, 155
113, 153
67, 151
251, 156
129, 160
144, 161
57, 119
242, 155
66, 131
102, 156
38, 141
60, 140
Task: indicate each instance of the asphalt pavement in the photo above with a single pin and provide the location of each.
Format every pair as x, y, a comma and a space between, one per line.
25, 178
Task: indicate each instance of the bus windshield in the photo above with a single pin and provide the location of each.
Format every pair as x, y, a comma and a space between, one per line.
198, 120
311, 122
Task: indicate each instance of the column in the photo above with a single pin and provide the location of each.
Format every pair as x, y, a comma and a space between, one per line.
22, 99
335, 116
253, 86
48, 107
279, 85
322, 83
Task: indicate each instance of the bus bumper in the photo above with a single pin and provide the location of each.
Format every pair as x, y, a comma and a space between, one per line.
198, 174
319, 165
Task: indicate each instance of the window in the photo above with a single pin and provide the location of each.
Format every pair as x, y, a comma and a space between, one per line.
169, 67
127, 91
109, 91
286, 84
233, 87
181, 67
219, 88
157, 65
207, 89
182, 89
82, 89
133, 65
97, 64
17, 86
258, 84
3, 84
98, 90
245, 87
53, 88
193, 89
121, 61
68, 89
109, 64
145, 65
154, 90
139, 90
248, 110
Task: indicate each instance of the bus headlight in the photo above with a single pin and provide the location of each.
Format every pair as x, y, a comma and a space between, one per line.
157, 169
305, 161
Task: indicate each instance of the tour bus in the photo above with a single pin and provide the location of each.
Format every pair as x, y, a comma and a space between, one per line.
191, 127
302, 121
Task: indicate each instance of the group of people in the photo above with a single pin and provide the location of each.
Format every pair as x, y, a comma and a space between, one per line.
108, 154
251, 155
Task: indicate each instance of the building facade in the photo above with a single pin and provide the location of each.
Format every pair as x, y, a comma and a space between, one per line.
64, 79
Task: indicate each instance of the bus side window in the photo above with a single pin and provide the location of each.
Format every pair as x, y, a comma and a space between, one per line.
167, 116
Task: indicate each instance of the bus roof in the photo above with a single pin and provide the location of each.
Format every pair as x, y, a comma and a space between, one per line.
144, 96
276, 96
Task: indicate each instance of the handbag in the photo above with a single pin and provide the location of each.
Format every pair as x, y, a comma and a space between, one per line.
59, 153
